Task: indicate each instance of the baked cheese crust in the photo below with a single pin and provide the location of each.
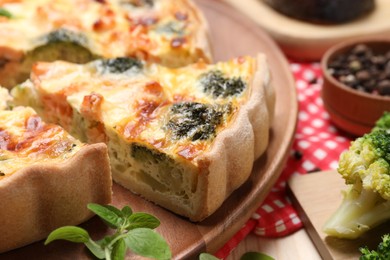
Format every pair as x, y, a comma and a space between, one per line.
173, 33
47, 177
183, 138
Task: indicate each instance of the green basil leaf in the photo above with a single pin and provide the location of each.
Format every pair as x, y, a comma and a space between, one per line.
105, 241
4, 12
127, 211
95, 249
145, 242
119, 250
255, 256
114, 209
142, 220
70, 233
206, 256
107, 213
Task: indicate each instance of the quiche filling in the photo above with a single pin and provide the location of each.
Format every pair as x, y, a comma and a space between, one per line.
166, 32
155, 120
25, 140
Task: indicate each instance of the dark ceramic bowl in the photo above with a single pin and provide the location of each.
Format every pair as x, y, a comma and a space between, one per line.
323, 11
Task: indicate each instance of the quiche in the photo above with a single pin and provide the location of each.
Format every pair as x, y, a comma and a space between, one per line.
47, 177
183, 138
173, 33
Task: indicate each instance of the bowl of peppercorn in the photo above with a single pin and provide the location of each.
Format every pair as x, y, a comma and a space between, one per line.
356, 88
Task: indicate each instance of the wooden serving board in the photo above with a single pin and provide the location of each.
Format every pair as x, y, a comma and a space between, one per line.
316, 196
309, 41
232, 35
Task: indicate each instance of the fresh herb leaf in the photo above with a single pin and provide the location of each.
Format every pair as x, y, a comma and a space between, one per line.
115, 210
206, 256
105, 241
255, 256
146, 242
119, 250
70, 233
109, 214
95, 249
133, 231
138, 220
5, 13
126, 211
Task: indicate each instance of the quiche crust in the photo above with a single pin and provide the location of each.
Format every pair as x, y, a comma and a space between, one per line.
228, 164
39, 198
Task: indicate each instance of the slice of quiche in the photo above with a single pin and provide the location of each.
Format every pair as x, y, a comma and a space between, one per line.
170, 32
47, 177
183, 138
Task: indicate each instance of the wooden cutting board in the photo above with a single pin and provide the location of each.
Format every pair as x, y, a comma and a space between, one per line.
316, 196
309, 41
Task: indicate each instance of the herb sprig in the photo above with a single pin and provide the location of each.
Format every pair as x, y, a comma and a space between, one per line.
134, 231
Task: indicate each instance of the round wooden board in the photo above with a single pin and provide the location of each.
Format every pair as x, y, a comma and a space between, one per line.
309, 41
232, 34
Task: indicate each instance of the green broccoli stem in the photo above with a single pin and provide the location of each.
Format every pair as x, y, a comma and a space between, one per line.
359, 211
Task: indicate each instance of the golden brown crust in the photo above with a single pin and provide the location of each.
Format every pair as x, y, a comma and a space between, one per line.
229, 163
42, 197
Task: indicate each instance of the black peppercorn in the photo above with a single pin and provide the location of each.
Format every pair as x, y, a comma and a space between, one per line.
362, 69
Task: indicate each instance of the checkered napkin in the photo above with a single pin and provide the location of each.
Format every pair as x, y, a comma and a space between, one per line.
317, 146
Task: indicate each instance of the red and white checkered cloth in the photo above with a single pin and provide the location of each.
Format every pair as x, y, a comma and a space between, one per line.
317, 146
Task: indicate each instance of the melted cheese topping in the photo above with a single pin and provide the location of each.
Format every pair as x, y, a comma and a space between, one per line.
114, 28
136, 106
25, 140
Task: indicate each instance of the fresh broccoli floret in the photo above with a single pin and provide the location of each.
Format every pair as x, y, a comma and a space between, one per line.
366, 170
383, 122
381, 253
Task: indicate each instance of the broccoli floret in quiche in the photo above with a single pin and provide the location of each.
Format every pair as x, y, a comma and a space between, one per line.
142, 153
216, 84
137, 3
118, 65
64, 35
61, 44
5, 13
195, 121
